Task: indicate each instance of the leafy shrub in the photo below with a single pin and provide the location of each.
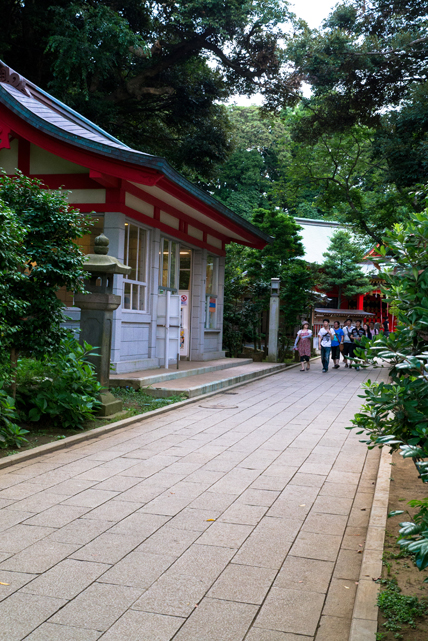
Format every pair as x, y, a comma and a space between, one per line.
62, 387
11, 435
395, 413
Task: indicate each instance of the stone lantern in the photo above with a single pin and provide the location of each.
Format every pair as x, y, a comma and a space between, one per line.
96, 318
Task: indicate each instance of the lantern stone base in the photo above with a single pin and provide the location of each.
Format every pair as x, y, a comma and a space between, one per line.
109, 404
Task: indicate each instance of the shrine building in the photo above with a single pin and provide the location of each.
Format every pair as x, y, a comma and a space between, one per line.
171, 233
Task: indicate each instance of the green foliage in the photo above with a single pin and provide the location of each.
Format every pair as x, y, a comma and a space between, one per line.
38, 257
138, 401
11, 435
340, 268
12, 235
245, 181
399, 609
139, 68
395, 412
61, 387
247, 282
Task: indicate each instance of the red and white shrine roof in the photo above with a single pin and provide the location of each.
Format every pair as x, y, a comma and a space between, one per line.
140, 185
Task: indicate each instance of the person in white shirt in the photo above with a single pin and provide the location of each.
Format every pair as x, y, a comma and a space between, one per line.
348, 345
325, 336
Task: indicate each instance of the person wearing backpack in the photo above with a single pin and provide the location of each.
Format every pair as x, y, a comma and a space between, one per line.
336, 344
348, 346
325, 337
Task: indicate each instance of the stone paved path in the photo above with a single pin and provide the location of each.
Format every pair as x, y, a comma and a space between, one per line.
199, 525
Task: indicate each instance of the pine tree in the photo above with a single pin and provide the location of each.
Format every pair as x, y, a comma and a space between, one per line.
341, 268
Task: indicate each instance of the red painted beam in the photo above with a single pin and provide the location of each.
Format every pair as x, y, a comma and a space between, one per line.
192, 201
104, 179
89, 208
169, 209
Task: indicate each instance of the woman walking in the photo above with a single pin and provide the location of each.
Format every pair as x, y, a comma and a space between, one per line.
303, 346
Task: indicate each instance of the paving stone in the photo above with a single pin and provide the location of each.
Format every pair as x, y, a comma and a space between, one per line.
139, 525
216, 620
359, 517
316, 546
13, 581
143, 626
53, 632
71, 486
340, 598
308, 575
118, 483
57, 516
243, 583
90, 498
80, 531
332, 505
10, 518
21, 613
348, 565
291, 611
212, 501
229, 535
243, 514
21, 491
354, 538
138, 569
114, 510
39, 557
37, 502
204, 562
311, 480
333, 629
191, 519
174, 594
273, 483
169, 505
107, 548
269, 543
169, 540
325, 523
67, 579
98, 607
259, 634
258, 497
21, 536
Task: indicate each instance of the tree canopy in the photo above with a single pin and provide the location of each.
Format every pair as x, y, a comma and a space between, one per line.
152, 73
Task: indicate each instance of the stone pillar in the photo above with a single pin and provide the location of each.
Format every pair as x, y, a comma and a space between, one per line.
274, 321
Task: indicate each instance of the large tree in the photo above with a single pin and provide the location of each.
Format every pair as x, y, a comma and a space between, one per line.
341, 270
151, 72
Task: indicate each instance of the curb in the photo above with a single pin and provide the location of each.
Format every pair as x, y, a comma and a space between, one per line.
69, 441
365, 614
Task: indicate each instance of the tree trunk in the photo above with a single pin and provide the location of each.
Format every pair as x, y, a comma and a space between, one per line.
339, 297
13, 361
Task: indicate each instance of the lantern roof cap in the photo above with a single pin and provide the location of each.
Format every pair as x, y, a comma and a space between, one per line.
101, 262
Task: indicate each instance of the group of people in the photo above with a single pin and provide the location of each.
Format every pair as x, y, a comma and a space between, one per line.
333, 341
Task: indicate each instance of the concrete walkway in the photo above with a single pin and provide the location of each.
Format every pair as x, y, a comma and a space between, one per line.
241, 516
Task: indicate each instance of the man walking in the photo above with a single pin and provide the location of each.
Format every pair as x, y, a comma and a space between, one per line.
348, 347
325, 336
335, 344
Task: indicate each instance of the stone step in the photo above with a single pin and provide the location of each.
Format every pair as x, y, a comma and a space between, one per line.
213, 381
188, 368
